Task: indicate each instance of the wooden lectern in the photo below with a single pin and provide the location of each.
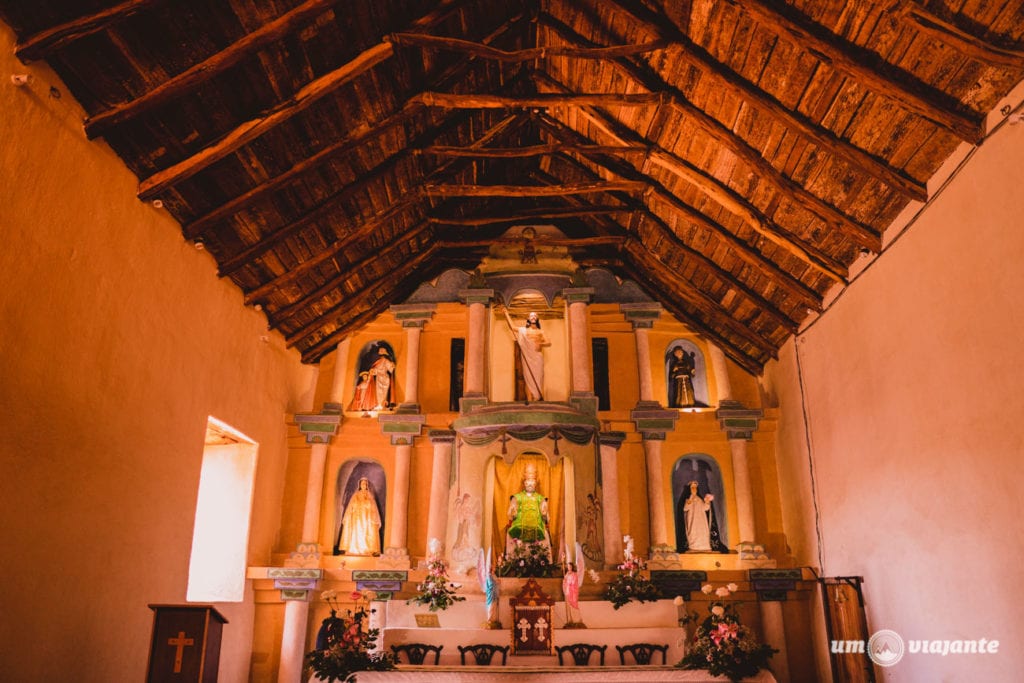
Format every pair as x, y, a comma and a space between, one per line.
186, 644
532, 621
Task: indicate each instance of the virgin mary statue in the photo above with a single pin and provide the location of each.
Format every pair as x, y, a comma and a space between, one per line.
360, 526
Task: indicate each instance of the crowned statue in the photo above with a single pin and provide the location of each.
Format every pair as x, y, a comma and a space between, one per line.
528, 514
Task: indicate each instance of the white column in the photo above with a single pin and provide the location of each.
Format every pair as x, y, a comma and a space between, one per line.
655, 497
314, 493
412, 364
293, 641
643, 363
610, 443
478, 301
774, 628
398, 519
582, 375
721, 372
437, 514
744, 494
340, 387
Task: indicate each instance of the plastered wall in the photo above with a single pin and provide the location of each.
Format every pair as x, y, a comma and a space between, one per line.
911, 389
117, 341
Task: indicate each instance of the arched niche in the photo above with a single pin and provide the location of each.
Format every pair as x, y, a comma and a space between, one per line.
368, 356
703, 469
346, 483
556, 477
700, 372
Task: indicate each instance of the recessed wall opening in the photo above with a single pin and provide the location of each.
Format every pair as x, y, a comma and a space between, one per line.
220, 538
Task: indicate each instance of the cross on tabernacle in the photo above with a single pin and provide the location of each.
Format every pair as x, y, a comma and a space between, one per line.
180, 643
541, 626
524, 628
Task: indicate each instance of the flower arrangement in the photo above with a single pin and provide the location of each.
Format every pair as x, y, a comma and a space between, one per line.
527, 559
631, 584
723, 645
436, 591
345, 644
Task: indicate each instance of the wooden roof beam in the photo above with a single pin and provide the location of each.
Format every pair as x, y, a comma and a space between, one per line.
485, 101
951, 34
581, 243
529, 151
370, 225
743, 250
279, 316
353, 301
482, 51
822, 137
865, 236
434, 190
41, 44
863, 66
528, 215
301, 100
361, 134
214, 65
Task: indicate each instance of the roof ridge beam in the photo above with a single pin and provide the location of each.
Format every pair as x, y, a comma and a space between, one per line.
482, 51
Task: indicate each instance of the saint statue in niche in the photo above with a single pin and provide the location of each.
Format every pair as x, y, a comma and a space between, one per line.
528, 514
374, 391
680, 372
360, 526
701, 526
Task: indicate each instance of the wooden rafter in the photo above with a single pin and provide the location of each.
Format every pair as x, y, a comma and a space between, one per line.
579, 243
821, 136
484, 101
865, 237
805, 252
43, 43
855, 62
304, 98
437, 190
365, 228
964, 41
526, 215
530, 150
202, 72
482, 51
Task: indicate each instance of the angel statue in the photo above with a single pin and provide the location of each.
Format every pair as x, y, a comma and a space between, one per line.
571, 588
489, 584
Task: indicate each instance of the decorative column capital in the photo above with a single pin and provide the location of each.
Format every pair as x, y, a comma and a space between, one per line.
653, 421
437, 436
300, 574
476, 295
738, 422
613, 439
402, 429
413, 315
320, 427
641, 315
578, 295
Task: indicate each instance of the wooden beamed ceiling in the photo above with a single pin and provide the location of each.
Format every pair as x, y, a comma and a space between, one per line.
732, 158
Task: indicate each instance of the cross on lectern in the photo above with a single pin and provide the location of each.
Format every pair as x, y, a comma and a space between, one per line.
524, 627
541, 626
180, 643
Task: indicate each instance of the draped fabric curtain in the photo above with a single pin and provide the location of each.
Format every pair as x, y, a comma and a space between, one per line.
508, 480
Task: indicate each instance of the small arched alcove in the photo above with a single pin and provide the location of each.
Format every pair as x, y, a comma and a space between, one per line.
702, 469
347, 483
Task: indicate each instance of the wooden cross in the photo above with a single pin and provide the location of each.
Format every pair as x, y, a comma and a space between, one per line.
180, 643
504, 439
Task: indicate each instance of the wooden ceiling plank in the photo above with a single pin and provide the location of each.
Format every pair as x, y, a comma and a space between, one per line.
796, 193
198, 74
528, 54
623, 134
912, 94
951, 34
41, 44
755, 96
486, 101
